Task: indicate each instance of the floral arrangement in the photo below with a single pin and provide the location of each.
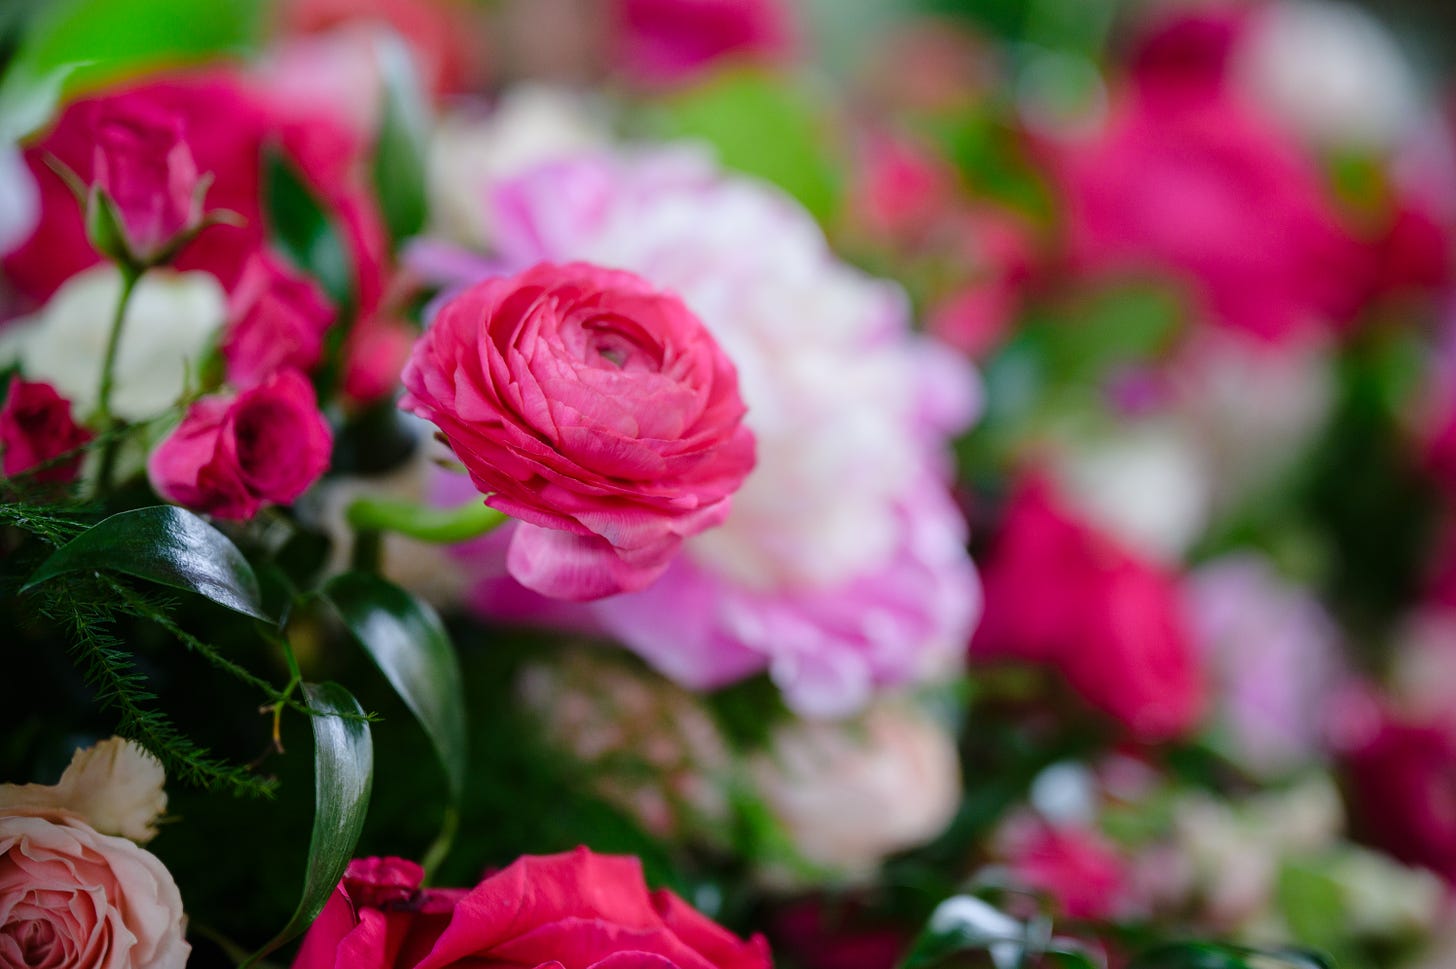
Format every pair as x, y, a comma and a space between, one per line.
727, 483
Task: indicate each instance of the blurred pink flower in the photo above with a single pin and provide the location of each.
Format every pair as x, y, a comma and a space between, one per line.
141, 160
1062, 594
276, 318
666, 42
1273, 653
1076, 866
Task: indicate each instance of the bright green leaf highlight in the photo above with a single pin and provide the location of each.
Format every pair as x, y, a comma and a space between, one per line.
169, 546
343, 773
761, 125
107, 39
445, 526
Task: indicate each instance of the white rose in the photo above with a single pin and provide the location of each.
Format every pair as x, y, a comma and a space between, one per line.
115, 785
170, 322
849, 793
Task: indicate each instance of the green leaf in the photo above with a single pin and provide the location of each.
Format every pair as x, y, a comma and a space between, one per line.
762, 126
1207, 955
109, 38
343, 773
408, 643
28, 101
300, 226
399, 151
167, 545
964, 923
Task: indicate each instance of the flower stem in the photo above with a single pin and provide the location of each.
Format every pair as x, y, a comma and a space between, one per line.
130, 276
440, 525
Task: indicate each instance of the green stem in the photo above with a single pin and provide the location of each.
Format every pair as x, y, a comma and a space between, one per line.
130, 276
440, 849
441, 525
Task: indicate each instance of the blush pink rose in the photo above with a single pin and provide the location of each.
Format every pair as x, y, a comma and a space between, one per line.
1062, 594
577, 910
232, 455
36, 426
663, 42
276, 319
594, 408
73, 898
142, 162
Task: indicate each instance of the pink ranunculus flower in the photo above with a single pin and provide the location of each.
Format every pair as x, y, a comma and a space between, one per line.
36, 426
1062, 594
594, 408
664, 42
842, 568
233, 454
276, 319
142, 162
75, 898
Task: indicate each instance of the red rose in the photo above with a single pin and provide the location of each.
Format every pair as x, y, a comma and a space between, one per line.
225, 127
142, 162
35, 426
276, 319
1060, 593
230, 455
594, 408
574, 911
1402, 793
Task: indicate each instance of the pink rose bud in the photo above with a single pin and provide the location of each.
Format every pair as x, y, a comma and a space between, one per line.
143, 164
276, 319
373, 358
36, 426
230, 455
594, 408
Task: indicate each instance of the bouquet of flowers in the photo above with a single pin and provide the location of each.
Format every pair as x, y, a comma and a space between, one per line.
722, 483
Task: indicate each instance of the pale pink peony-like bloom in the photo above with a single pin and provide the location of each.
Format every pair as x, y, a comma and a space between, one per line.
842, 567
232, 455
592, 407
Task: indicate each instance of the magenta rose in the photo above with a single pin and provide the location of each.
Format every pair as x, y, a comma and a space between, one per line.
594, 408
577, 910
36, 426
225, 126
232, 455
276, 319
142, 162
1401, 781
1062, 594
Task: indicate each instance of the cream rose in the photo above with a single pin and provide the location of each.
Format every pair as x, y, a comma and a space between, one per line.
72, 897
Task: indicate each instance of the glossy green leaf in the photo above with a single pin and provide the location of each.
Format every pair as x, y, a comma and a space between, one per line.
300, 226
407, 641
399, 151
343, 773
761, 125
167, 545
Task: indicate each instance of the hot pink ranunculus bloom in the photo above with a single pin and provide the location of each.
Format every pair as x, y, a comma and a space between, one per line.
842, 568
233, 454
593, 407
1061, 594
